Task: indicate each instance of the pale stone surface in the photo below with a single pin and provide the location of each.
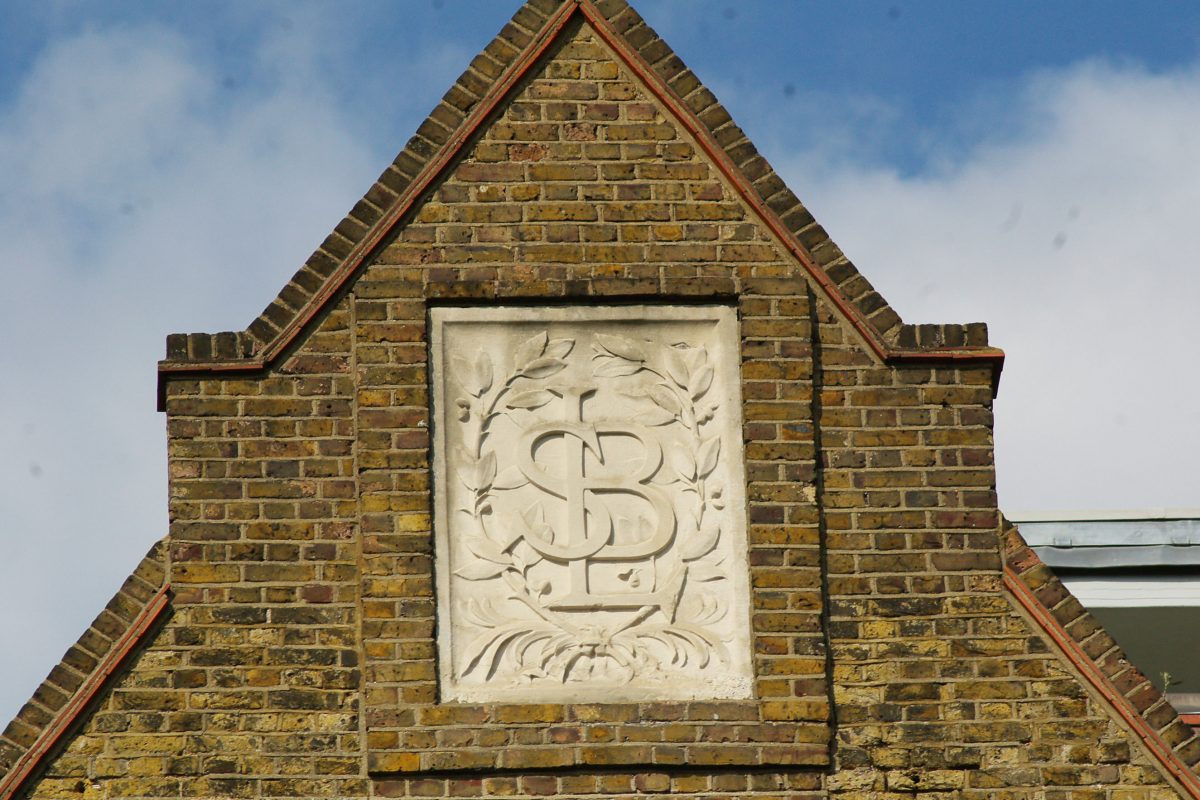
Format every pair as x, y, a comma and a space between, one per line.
590, 504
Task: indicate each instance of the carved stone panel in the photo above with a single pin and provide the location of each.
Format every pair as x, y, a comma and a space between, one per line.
590, 509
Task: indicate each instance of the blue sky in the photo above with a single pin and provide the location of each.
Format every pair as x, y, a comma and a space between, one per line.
924, 62
167, 167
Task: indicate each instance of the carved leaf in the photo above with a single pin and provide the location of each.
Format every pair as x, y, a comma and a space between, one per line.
665, 398
543, 368
522, 418
535, 523
510, 478
695, 639
476, 377
484, 643
471, 613
678, 371
678, 655
710, 611
553, 648
682, 461
655, 416
695, 642
663, 477
706, 461
559, 348
616, 368
702, 573
534, 398
522, 645
466, 474
515, 581
529, 556
625, 657
519, 562
507, 530
701, 544
486, 549
621, 347
707, 637
466, 470
571, 662
483, 371
464, 372
700, 382
479, 570
485, 471
531, 348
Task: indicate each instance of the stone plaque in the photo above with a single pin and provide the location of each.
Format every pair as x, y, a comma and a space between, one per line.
590, 504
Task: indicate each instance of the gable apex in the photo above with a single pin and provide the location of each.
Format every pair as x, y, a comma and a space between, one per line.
486, 83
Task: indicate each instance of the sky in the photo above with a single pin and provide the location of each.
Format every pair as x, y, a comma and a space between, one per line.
166, 168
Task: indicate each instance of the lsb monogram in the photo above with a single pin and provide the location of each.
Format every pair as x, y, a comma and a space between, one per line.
590, 530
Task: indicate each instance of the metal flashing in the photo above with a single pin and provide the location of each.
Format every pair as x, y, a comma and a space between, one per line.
1067, 556
1142, 540
1026, 518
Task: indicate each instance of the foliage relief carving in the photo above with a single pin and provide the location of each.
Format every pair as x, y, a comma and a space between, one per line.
626, 635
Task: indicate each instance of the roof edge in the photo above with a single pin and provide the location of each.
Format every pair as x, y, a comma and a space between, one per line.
67, 693
1157, 514
1079, 637
466, 106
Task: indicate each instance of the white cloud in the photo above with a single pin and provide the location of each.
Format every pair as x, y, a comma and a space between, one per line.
1074, 237
140, 197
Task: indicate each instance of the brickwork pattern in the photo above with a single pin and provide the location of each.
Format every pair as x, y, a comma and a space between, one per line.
942, 688
582, 189
617, 785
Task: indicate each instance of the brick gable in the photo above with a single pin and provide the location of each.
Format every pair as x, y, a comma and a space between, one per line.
583, 186
578, 161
